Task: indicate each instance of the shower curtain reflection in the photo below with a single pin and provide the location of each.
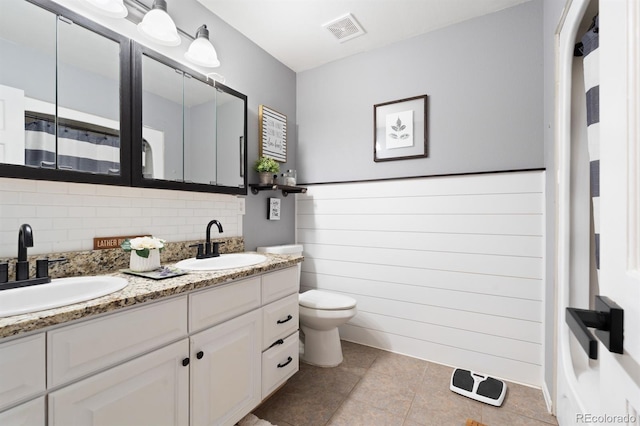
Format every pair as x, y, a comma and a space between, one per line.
80, 146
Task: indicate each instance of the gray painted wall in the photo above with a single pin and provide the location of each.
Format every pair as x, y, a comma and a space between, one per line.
484, 81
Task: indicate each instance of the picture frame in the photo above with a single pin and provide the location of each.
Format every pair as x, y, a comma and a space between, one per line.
400, 129
273, 134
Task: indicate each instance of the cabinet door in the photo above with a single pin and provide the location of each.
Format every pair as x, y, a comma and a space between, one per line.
226, 371
151, 390
22, 374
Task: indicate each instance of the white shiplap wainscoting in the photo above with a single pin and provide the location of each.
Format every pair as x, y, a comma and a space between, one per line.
447, 269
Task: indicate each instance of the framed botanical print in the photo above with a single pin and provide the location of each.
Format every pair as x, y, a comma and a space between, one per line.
400, 129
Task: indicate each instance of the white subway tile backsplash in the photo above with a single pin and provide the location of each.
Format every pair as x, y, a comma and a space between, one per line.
51, 211
82, 189
13, 210
49, 187
67, 216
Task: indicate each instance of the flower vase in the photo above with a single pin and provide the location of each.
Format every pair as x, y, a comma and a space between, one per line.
144, 264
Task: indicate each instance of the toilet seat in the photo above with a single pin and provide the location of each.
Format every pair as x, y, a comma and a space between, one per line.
316, 299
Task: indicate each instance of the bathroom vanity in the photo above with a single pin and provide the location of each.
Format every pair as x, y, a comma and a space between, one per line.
204, 348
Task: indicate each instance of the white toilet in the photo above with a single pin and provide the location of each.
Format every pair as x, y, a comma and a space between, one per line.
321, 313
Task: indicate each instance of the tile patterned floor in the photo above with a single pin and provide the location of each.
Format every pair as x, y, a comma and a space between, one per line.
373, 387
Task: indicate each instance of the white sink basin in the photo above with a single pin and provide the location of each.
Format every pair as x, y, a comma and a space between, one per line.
224, 261
59, 292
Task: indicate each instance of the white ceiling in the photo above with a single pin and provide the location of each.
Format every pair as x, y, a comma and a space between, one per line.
292, 32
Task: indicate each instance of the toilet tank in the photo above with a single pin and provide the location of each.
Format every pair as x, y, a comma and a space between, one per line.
284, 249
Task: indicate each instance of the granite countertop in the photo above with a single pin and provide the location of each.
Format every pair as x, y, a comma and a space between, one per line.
139, 290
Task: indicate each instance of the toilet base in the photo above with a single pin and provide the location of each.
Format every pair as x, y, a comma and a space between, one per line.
322, 348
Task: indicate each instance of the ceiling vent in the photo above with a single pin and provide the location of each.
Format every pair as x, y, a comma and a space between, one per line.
344, 28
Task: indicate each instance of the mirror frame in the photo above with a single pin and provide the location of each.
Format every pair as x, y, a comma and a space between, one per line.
124, 179
138, 180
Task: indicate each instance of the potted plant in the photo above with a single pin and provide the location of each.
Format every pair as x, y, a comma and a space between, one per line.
145, 253
267, 168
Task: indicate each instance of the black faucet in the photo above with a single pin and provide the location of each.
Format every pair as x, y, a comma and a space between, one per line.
209, 249
207, 245
25, 239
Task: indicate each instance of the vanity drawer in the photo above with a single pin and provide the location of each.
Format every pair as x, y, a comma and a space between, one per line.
77, 350
279, 319
279, 363
216, 305
276, 285
22, 369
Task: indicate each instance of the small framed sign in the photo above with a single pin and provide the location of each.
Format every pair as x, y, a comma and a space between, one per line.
273, 134
274, 208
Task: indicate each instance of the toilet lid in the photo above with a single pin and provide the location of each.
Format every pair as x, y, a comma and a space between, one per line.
316, 299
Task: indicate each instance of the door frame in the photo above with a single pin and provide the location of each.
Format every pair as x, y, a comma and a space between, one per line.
565, 381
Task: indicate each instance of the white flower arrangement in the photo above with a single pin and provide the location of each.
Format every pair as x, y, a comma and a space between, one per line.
143, 245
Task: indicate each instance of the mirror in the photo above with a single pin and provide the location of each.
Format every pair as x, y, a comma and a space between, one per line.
77, 106
61, 96
230, 135
192, 132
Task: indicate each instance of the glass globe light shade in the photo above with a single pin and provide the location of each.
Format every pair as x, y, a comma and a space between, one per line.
111, 8
201, 51
158, 26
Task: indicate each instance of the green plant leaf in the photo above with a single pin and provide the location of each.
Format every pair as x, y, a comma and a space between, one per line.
143, 252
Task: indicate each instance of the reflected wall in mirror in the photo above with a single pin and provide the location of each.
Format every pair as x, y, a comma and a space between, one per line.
193, 130
60, 95
230, 136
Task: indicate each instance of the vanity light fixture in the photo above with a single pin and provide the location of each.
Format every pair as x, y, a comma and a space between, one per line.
158, 26
201, 51
111, 8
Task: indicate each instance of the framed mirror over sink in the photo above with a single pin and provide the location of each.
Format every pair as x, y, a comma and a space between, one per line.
192, 129
82, 103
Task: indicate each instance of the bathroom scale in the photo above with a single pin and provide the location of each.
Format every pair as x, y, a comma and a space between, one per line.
478, 386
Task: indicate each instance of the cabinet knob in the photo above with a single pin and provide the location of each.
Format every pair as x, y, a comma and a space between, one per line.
199, 355
185, 362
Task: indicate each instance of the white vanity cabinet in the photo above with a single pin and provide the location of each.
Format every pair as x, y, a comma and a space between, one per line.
205, 358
